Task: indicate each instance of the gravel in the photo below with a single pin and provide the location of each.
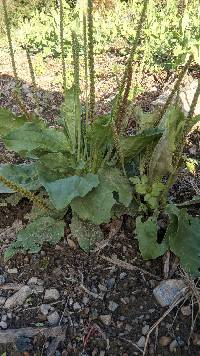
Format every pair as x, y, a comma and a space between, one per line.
51, 294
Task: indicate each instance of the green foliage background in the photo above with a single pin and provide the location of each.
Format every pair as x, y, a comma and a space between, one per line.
170, 33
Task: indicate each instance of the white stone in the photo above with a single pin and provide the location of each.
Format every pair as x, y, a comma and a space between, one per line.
4, 318
44, 308
186, 94
33, 280
173, 346
106, 319
2, 300
76, 306
3, 325
51, 294
53, 318
112, 306
141, 342
12, 270
18, 298
145, 330
186, 310
168, 291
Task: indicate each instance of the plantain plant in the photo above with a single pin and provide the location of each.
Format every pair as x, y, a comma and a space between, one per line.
88, 165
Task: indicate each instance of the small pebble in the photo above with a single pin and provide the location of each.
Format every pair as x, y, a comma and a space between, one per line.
106, 319
122, 275
2, 279
85, 300
2, 300
37, 289
76, 306
164, 340
112, 306
12, 270
110, 283
102, 288
4, 317
196, 339
3, 325
33, 280
145, 330
141, 342
51, 294
173, 346
186, 310
53, 318
44, 308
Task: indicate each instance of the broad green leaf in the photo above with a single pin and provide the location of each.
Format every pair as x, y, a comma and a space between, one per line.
86, 233
96, 206
147, 237
23, 174
145, 120
184, 239
9, 121
31, 238
36, 139
58, 162
100, 132
99, 139
134, 145
161, 160
63, 191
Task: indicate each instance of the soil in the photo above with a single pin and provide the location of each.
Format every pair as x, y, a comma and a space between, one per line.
103, 305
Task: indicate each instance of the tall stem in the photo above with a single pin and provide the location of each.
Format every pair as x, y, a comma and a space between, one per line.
91, 60
62, 46
32, 79
12, 56
121, 99
75, 52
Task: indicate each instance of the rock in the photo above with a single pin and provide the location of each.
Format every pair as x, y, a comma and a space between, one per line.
110, 283
186, 310
33, 280
106, 319
37, 289
173, 346
141, 342
186, 94
128, 327
52, 294
122, 275
196, 339
3, 325
2, 300
164, 340
112, 306
53, 318
145, 330
18, 298
24, 344
4, 317
168, 291
12, 270
76, 306
102, 288
45, 308
85, 300
2, 279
